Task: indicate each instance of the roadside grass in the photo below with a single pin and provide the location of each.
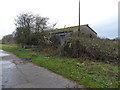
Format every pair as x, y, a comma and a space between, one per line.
88, 73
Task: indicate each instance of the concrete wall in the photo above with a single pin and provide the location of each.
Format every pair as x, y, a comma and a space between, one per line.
87, 31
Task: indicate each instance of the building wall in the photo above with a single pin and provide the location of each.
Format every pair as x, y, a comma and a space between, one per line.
65, 35
87, 31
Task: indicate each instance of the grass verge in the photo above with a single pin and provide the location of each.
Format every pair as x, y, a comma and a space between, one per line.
90, 74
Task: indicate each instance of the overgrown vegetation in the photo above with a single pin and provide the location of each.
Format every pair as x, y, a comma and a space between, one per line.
93, 48
89, 73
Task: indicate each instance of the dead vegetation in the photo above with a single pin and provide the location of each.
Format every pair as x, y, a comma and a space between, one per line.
97, 49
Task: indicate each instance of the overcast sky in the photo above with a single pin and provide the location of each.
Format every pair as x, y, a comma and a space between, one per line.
101, 15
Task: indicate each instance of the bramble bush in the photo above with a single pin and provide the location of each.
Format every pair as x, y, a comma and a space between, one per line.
98, 49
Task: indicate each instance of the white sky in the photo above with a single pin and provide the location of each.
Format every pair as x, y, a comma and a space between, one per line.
97, 13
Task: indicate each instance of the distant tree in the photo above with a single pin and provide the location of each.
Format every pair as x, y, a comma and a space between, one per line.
8, 39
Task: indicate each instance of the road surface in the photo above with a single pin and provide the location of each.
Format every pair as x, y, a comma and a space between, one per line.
18, 73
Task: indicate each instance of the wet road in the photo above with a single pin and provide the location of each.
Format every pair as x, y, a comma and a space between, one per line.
17, 73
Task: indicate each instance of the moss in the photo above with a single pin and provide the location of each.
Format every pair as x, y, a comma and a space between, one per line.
67, 29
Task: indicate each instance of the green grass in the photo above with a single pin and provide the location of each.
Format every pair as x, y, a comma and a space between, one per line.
90, 74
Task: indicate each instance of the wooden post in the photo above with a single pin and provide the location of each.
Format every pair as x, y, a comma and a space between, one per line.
79, 20
78, 32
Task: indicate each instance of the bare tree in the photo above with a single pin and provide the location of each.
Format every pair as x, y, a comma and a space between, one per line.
40, 23
30, 29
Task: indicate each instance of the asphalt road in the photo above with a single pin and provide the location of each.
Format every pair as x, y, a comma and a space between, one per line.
18, 73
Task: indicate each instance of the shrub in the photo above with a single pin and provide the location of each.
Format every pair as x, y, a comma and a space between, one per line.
95, 48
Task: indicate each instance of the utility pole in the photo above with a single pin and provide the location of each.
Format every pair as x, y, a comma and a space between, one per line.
78, 32
79, 20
